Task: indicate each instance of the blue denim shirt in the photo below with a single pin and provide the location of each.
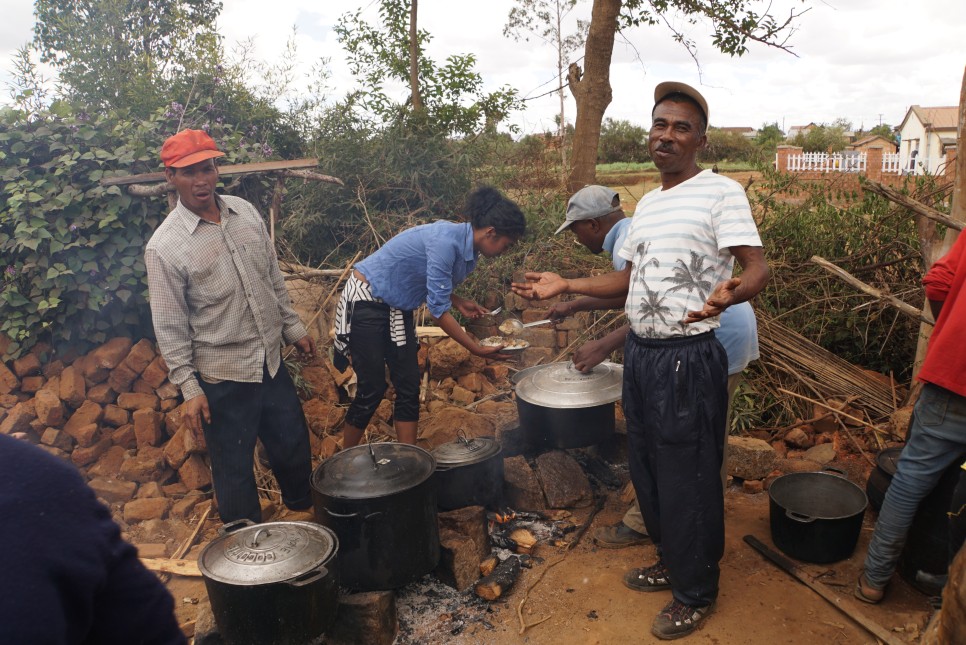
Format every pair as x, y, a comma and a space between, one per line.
738, 332
421, 264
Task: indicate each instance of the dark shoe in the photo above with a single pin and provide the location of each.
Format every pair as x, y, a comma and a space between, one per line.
618, 536
653, 578
677, 620
867, 593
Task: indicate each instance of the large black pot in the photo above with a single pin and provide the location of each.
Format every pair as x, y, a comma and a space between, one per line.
380, 500
816, 517
561, 407
469, 472
273, 583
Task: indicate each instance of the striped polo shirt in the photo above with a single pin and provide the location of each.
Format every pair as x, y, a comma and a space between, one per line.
679, 244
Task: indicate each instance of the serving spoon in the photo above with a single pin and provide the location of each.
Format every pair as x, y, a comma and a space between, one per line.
513, 326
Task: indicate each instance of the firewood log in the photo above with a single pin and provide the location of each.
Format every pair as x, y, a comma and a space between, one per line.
488, 565
499, 581
524, 540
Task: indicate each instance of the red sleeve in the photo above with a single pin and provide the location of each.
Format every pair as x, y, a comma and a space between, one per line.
940, 277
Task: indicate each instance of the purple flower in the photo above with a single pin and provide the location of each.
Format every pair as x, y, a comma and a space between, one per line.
209, 107
206, 127
267, 150
11, 270
72, 227
217, 80
92, 273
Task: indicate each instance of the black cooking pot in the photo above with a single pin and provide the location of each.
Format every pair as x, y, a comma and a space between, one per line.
561, 407
816, 517
380, 500
469, 472
272, 583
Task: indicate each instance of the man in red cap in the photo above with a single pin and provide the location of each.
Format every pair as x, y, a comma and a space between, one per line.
221, 314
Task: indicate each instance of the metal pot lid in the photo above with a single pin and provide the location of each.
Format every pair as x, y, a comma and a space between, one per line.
267, 553
464, 452
373, 470
561, 385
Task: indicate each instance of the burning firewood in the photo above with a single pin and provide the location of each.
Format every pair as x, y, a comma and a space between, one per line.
499, 580
523, 539
488, 565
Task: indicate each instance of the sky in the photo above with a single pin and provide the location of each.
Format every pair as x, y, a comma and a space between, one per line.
866, 61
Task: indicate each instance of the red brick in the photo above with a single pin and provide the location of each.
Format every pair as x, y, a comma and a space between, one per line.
167, 405
142, 387
27, 365
132, 401
122, 378
50, 411
175, 450
168, 391
125, 437
92, 372
115, 416
143, 468
57, 439
111, 490
31, 384
53, 368
86, 456
140, 356
89, 412
7, 401
109, 464
147, 427
155, 373
73, 389
540, 337
151, 508
150, 489
85, 435
472, 381
496, 372
110, 354
194, 473
8, 380
183, 507
18, 418
102, 393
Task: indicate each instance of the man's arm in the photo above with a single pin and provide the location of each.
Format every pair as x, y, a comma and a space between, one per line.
562, 310
594, 352
540, 286
938, 280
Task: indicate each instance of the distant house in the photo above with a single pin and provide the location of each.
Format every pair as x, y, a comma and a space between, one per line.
796, 130
874, 141
745, 131
925, 134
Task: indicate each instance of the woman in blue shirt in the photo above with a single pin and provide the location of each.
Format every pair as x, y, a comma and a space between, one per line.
374, 318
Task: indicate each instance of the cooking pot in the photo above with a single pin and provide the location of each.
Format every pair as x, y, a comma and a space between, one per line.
816, 517
271, 583
562, 407
380, 500
469, 472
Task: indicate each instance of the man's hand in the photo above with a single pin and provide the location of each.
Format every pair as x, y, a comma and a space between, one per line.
194, 411
590, 355
470, 309
305, 346
559, 311
540, 286
721, 298
494, 352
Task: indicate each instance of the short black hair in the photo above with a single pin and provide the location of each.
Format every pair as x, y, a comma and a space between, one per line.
681, 97
486, 206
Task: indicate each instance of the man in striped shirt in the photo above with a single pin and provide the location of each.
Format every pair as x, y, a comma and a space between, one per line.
221, 314
684, 239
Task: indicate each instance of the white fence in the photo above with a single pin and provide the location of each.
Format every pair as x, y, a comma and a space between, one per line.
890, 163
839, 162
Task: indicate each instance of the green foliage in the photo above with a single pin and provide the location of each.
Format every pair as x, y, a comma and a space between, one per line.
622, 141
824, 138
727, 146
883, 130
73, 249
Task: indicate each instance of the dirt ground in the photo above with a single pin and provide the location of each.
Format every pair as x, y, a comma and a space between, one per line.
587, 603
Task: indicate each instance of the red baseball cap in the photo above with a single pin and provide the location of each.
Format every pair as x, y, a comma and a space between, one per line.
188, 147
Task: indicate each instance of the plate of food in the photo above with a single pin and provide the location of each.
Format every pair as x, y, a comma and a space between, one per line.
510, 345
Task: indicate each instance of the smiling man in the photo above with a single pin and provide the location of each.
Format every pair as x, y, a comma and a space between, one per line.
221, 314
680, 251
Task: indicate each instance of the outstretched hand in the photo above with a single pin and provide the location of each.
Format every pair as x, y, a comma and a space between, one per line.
540, 286
470, 309
721, 298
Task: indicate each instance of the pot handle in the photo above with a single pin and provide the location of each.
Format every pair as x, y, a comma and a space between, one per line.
838, 471
798, 517
350, 515
309, 577
225, 529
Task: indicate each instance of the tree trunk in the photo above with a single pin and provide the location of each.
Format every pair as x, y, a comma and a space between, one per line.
562, 129
414, 60
592, 92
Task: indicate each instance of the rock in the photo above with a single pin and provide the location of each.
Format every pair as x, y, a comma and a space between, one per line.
109, 465
194, 473
496, 372
58, 439
445, 358
18, 418
750, 458
53, 369
82, 457
155, 373
440, 426
73, 389
176, 450
150, 489
753, 486
323, 416
469, 522
49, 409
781, 448
540, 337
472, 382
151, 508
152, 550
31, 384
462, 396
521, 488
102, 393
564, 483
8, 380
533, 355
168, 391
147, 427
799, 466
26, 365
115, 416
132, 401
798, 438
125, 437
459, 560
368, 617
140, 356
144, 467
183, 508
85, 435
110, 354
901, 419
822, 454
89, 412
113, 490
91, 371
321, 382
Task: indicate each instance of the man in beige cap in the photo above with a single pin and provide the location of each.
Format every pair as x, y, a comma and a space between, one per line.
221, 315
684, 240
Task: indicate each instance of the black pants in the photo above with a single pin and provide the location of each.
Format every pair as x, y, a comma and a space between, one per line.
372, 350
241, 413
675, 400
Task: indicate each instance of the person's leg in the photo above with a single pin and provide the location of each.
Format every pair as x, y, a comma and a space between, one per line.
367, 345
957, 517
231, 437
935, 441
285, 435
403, 364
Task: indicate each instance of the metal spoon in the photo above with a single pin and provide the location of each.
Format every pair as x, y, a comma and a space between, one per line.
496, 311
513, 326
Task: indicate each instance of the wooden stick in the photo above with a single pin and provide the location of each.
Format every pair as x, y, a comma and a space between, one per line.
325, 302
172, 566
904, 307
829, 407
915, 206
189, 542
488, 397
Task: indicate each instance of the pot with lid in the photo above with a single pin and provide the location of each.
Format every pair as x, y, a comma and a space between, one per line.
271, 583
380, 500
562, 407
469, 472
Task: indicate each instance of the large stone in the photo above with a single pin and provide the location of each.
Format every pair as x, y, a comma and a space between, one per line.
49, 409
521, 488
142, 387
459, 560
26, 365
538, 337
155, 373
194, 473
150, 489
92, 372
122, 378
175, 450
53, 369
85, 436
8, 380
168, 391
73, 389
102, 393
822, 454
183, 507
368, 617
113, 490
115, 416
125, 437
440, 426
470, 522
140, 356
18, 418
799, 438
472, 382
31, 384
147, 427
110, 354
445, 358
750, 458
150, 508
461, 396
132, 401
89, 412
564, 483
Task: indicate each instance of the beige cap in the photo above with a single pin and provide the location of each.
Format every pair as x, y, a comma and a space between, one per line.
672, 87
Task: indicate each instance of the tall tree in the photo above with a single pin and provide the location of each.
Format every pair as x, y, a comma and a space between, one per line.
119, 53
734, 24
544, 19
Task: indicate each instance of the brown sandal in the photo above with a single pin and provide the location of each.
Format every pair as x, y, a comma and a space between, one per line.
866, 593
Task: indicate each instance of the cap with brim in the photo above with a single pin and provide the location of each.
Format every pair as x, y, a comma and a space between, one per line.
589, 202
188, 147
673, 87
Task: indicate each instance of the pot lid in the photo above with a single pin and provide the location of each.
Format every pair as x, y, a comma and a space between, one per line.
266, 553
561, 385
373, 470
464, 452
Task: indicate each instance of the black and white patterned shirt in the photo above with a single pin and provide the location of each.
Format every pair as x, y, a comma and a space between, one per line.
218, 299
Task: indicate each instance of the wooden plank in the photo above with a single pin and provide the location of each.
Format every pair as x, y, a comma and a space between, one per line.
171, 565
429, 332
236, 169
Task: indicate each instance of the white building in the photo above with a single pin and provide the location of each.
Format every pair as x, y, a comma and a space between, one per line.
924, 135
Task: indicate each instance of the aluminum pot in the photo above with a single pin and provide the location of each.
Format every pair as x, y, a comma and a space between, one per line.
469, 472
272, 583
561, 407
816, 517
380, 500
